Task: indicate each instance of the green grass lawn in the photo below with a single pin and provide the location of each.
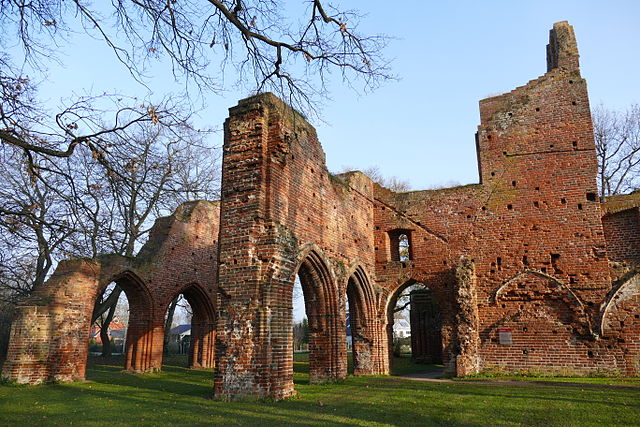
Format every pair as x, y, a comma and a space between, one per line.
183, 397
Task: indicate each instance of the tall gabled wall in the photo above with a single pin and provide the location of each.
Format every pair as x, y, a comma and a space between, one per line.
532, 227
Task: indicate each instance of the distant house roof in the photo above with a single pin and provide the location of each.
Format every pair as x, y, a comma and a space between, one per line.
402, 323
118, 333
180, 329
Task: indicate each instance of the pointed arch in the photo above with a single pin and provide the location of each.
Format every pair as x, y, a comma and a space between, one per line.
203, 326
327, 337
560, 285
623, 301
556, 294
141, 331
425, 323
368, 359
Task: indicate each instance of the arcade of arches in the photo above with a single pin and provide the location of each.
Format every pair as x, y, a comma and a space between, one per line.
528, 269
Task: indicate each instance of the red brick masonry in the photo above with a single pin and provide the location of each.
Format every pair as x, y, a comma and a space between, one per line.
526, 272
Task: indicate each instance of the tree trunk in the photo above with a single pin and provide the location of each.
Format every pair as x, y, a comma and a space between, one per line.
104, 332
101, 306
168, 322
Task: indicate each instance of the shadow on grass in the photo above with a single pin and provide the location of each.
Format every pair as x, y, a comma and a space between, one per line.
403, 365
182, 396
174, 378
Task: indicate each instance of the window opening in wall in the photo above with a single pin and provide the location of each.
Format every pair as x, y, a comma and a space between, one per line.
400, 241
591, 197
554, 263
403, 247
415, 328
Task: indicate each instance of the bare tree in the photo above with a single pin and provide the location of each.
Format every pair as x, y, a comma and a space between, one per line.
617, 137
270, 45
300, 334
404, 298
151, 172
35, 223
102, 200
168, 322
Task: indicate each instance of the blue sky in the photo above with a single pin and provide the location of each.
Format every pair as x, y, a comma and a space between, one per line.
447, 55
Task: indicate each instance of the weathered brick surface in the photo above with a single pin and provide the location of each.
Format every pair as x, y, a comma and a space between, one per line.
523, 252
622, 232
517, 263
283, 214
49, 338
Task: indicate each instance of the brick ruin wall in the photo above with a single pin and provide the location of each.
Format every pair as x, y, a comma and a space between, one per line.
50, 335
533, 227
283, 214
518, 263
622, 232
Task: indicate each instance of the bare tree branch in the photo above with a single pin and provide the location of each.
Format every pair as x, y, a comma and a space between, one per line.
617, 138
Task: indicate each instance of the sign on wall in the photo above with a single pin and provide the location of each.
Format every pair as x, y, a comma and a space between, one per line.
505, 337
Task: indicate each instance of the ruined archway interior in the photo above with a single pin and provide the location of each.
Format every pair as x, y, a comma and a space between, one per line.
414, 326
137, 340
321, 307
109, 329
361, 308
520, 266
201, 347
177, 332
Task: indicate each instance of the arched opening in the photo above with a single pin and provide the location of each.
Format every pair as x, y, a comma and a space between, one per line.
400, 245
414, 328
361, 332
109, 323
189, 338
137, 341
326, 335
300, 330
177, 331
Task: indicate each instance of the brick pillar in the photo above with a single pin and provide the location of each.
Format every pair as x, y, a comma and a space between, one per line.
467, 324
145, 341
253, 338
562, 50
